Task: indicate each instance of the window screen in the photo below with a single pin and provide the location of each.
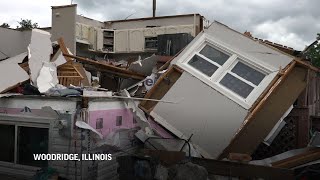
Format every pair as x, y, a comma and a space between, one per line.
202, 65
214, 55
248, 73
236, 85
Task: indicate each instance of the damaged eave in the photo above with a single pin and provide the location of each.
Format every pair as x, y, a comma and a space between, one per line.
107, 68
281, 93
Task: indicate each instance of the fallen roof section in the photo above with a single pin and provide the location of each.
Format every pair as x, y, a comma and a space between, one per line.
11, 75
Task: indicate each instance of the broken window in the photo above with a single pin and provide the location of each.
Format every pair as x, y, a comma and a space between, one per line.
19, 143
214, 55
31, 141
242, 79
236, 85
208, 60
220, 66
248, 73
118, 120
7, 139
203, 65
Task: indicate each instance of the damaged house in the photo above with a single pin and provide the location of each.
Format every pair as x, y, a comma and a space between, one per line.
127, 87
231, 90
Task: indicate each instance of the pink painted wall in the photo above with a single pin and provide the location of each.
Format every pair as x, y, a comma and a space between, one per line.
108, 119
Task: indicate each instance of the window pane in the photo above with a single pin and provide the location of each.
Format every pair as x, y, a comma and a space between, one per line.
7, 141
214, 54
32, 141
248, 73
202, 65
236, 85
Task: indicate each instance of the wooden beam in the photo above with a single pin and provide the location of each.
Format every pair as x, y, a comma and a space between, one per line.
300, 159
63, 48
106, 66
236, 169
119, 74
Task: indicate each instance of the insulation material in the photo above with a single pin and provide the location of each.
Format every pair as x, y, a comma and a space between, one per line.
15, 59
83, 125
144, 66
11, 75
109, 116
40, 49
58, 59
277, 128
47, 77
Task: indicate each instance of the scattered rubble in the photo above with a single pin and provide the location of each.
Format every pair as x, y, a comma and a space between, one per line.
202, 111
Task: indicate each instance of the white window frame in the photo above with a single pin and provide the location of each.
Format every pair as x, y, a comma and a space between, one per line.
24, 121
235, 57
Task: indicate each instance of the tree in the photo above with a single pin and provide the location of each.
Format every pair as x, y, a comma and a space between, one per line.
5, 25
26, 24
314, 52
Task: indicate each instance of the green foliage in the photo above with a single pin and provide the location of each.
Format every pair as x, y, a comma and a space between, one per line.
26, 24
5, 25
314, 53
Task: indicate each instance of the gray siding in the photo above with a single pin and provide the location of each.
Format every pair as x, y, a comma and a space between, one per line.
238, 41
212, 118
64, 25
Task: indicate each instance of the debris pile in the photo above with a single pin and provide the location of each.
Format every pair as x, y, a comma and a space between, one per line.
212, 103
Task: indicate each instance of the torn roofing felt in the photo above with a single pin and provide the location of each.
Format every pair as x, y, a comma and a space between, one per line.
225, 74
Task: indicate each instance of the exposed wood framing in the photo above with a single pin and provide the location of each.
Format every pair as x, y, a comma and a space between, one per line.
236, 169
161, 87
107, 68
297, 160
167, 64
264, 115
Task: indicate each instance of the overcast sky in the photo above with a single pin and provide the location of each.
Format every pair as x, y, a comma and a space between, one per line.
293, 23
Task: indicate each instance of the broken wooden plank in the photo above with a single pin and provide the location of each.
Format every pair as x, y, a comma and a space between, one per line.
108, 68
236, 169
297, 160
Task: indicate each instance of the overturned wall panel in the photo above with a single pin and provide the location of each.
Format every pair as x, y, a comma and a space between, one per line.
212, 118
261, 123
